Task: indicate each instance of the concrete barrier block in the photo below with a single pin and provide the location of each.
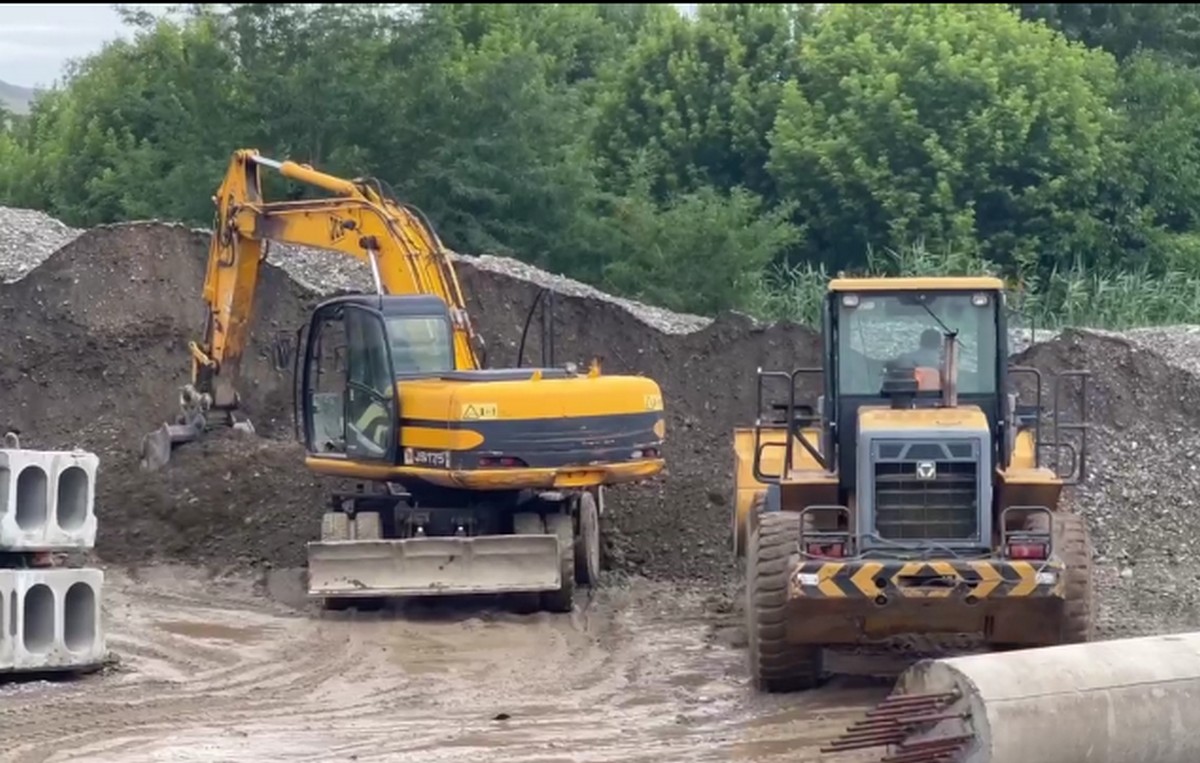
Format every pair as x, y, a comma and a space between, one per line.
8, 620
57, 624
47, 500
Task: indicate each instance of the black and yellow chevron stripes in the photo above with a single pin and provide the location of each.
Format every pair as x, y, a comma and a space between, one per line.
924, 579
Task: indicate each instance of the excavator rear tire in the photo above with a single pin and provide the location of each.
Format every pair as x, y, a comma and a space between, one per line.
775, 665
1074, 547
587, 545
527, 523
562, 600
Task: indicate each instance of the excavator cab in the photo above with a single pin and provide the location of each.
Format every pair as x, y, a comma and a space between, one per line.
356, 350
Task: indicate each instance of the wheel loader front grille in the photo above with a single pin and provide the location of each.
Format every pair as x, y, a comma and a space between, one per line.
927, 500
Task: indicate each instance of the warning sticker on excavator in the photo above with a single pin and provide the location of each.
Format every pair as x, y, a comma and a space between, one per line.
477, 411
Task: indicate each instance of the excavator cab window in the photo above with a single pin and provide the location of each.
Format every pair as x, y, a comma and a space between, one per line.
420, 345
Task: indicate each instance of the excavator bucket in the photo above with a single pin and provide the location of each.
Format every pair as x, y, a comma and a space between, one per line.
157, 445
433, 566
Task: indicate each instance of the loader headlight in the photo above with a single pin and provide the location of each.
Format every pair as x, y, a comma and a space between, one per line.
1047, 578
808, 578
980, 300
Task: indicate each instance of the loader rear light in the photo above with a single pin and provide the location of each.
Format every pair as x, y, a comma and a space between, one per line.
501, 461
828, 550
1028, 550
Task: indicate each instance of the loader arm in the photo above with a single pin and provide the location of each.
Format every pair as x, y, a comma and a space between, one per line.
363, 221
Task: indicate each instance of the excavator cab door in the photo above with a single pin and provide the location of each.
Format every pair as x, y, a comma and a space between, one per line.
346, 395
370, 402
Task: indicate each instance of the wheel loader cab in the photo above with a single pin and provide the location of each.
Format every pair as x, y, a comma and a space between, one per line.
914, 438
358, 348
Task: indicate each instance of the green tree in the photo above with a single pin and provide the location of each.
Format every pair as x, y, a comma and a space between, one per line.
702, 252
1162, 102
695, 99
957, 125
1125, 28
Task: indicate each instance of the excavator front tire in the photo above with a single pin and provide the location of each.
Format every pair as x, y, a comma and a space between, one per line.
775, 664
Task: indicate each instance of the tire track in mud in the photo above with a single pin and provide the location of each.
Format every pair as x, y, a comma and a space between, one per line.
218, 672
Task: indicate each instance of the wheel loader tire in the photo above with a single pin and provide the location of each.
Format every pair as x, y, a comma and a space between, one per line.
775, 665
741, 531
562, 600
527, 523
1074, 547
587, 545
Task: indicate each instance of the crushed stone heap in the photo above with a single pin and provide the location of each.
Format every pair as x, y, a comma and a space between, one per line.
104, 324
95, 350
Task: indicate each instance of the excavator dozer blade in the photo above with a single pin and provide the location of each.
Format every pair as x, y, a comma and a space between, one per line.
433, 566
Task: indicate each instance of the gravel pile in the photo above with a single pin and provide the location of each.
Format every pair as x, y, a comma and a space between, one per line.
328, 272
1143, 474
100, 350
95, 350
26, 238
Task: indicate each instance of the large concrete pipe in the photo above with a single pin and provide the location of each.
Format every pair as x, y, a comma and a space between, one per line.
1123, 701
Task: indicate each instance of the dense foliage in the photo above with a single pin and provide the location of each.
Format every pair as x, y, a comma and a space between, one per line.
706, 163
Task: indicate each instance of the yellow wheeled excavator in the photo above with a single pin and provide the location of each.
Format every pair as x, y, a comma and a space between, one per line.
481, 480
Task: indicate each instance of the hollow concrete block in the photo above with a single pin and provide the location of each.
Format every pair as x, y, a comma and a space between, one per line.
7, 620
47, 500
57, 623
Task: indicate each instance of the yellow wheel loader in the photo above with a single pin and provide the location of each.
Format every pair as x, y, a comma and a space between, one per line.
470, 479
902, 490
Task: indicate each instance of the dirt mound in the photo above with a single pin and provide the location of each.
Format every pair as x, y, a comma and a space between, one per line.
1143, 483
96, 348
94, 354
96, 351
677, 526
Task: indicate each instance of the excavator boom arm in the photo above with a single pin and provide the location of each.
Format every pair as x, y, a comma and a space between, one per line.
393, 239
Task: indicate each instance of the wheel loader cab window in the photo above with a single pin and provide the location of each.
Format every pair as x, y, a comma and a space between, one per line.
874, 329
420, 345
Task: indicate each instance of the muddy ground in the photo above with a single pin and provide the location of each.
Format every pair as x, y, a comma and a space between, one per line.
225, 670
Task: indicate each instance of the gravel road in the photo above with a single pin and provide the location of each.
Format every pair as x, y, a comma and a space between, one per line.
220, 671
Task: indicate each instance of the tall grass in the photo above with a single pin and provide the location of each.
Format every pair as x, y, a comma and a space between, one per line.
1077, 296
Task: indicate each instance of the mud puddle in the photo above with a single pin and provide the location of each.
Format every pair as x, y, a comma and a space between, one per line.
212, 670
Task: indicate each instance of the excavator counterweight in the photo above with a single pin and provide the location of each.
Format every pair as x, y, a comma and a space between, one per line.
470, 479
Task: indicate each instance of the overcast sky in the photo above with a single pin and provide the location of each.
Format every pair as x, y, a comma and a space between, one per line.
37, 40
